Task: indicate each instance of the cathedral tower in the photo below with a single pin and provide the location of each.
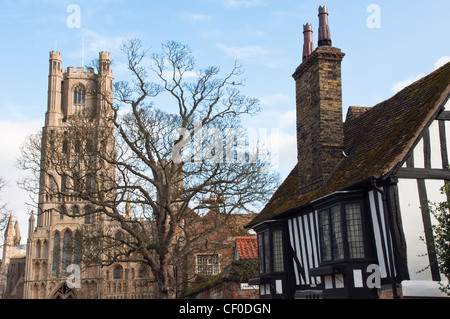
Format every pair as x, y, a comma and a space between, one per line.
54, 242
76, 132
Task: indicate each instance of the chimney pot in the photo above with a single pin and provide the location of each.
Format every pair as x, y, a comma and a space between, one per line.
324, 28
308, 46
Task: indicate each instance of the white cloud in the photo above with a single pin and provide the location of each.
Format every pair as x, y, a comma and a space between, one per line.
243, 52
95, 43
14, 197
283, 145
195, 18
441, 62
288, 119
401, 85
280, 127
274, 99
254, 53
242, 3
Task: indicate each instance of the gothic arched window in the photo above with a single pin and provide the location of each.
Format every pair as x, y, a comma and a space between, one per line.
64, 183
38, 249
79, 95
45, 250
143, 272
67, 250
75, 211
56, 258
89, 215
117, 272
77, 251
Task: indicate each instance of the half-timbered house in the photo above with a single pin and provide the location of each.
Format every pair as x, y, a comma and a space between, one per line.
352, 219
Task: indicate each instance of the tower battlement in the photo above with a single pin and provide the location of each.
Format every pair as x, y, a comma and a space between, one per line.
55, 55
104, 55
80, 70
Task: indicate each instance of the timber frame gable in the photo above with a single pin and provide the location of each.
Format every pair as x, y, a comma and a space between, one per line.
366, 217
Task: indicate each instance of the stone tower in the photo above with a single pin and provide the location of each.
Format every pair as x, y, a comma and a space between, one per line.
76, 97
319, 108
13, 263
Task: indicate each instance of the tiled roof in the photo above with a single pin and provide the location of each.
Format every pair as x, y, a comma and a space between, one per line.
355, 111
376, 141
247, 247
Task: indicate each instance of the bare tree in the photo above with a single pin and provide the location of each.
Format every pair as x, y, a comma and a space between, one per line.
152, 177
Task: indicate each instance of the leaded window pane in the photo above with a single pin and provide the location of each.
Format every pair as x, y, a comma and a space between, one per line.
325, 234
261, 253
278, 256
338, 241
56, 251
77, 249
67, 250
354, 230
266, 252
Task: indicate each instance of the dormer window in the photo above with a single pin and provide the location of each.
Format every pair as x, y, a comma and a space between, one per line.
79, 95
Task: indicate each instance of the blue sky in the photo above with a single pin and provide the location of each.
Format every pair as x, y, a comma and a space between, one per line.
410, 41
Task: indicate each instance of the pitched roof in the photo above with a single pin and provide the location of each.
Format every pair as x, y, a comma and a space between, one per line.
375, 142
247, 247
355, 111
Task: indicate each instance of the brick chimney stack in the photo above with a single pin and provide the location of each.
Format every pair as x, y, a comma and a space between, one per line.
320, 134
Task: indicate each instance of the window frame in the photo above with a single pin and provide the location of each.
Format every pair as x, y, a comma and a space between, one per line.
271, 258
117, 272
89, 215
79, 95
215, 264
56, 254
345, 235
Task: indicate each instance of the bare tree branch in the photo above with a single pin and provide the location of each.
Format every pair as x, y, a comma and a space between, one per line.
163, 164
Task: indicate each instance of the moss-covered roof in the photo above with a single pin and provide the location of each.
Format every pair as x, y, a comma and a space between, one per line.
375, 142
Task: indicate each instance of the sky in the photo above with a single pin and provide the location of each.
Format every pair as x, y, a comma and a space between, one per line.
388, 45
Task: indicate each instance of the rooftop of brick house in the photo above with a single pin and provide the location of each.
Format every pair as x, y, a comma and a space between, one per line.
247, 247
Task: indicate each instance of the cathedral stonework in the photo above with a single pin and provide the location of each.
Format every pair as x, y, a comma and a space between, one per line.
53, 267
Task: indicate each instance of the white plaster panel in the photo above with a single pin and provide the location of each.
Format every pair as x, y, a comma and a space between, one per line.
411, 214
435, 142
419, 161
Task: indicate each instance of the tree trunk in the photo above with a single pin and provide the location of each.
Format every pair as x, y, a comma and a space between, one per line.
166, 280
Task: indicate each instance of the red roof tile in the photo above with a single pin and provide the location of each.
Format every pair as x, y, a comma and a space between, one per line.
247, 247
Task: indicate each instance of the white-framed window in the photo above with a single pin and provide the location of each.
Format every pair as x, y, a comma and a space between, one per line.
207, 264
